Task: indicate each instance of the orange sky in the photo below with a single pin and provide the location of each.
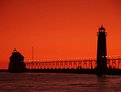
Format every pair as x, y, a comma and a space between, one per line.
57, 28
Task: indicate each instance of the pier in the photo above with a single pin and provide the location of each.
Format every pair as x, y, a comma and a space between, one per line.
101, 65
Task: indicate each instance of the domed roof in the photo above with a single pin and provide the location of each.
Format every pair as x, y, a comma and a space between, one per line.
101, 28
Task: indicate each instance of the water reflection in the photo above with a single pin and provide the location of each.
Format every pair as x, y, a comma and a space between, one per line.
52, 82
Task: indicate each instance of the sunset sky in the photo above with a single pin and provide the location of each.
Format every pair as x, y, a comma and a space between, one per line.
57, 29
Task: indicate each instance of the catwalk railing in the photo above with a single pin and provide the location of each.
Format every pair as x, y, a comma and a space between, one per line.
113, 63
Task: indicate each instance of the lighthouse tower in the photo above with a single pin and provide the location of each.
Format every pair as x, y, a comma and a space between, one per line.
101, 52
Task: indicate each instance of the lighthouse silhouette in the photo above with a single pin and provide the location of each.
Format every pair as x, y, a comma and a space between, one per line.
101, 52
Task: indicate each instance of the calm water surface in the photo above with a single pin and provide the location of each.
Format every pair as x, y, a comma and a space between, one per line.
58, 82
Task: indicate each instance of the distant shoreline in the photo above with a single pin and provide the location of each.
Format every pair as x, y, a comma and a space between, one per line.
76, 71
3, 70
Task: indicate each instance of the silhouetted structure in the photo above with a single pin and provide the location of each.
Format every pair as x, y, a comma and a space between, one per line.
16, 63
101, 52
100, 66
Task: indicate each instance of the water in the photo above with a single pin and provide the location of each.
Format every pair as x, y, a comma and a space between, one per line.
58, 82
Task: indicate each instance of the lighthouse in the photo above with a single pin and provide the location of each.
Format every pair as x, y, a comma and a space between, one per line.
16, 63
101, 52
